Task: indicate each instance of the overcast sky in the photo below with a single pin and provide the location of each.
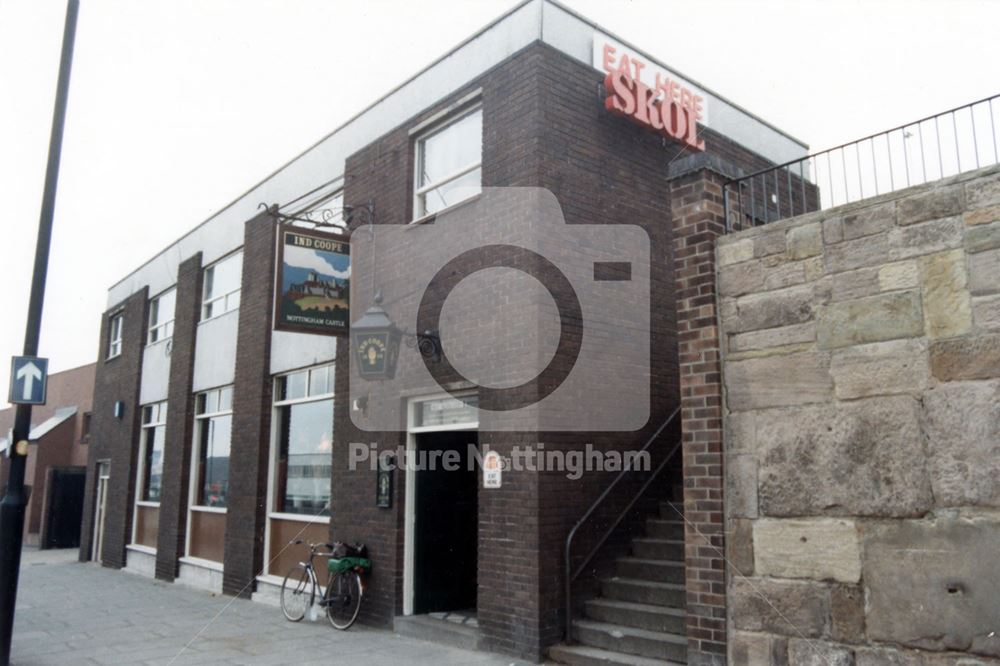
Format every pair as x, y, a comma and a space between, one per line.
176, 108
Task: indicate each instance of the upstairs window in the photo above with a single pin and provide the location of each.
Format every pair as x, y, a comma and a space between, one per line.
115, 335
449, 163
221, 291
161, 316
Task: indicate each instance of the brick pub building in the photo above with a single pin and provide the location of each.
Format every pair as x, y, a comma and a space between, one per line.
217, 437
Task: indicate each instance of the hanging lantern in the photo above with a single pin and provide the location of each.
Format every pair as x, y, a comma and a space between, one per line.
375, 340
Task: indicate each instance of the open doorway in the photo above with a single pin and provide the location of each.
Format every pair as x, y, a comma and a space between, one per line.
441, 509
446, 521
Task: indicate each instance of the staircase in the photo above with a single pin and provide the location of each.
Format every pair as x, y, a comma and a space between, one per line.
638, 619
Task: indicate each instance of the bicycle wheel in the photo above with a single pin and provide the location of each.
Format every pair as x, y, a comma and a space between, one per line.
296, 593
343, 599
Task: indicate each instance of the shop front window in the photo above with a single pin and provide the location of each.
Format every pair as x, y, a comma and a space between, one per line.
305, 442
214, 419
154, 429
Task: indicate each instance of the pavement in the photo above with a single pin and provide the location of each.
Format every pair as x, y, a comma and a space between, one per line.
70, 612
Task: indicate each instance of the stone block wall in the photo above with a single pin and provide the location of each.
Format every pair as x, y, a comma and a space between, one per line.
861, 369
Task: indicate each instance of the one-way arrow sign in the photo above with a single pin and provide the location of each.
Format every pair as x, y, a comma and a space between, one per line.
28, 380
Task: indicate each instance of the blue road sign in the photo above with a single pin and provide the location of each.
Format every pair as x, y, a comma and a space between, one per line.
29, 377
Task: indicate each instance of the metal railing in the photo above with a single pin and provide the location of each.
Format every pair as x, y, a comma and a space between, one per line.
945, 144
572, 574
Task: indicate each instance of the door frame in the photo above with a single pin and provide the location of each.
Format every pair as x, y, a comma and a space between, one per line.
410, 509
100, 507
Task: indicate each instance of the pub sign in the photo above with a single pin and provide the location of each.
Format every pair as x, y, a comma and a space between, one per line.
313, 283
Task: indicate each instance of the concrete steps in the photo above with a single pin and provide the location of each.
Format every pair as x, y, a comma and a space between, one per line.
659, 549
584, 655
639, 619
640, 616
659, 571
671, 510
665, 529
631, 640
641, 591
437, 630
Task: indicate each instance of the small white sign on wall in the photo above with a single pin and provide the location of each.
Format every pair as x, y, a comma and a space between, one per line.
492, 469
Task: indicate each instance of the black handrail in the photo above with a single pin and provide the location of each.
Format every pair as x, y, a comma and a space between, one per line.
572, 575
777, 187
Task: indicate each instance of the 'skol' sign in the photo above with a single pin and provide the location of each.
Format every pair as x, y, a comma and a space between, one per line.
648, 94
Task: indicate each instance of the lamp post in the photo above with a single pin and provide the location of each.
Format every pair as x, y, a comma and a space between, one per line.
13, 504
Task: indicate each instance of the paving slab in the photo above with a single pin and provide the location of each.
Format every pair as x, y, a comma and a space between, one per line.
82, 613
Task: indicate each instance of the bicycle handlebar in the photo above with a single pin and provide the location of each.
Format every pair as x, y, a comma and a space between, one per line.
313, 546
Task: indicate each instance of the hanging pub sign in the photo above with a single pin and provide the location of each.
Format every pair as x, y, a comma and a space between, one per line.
648, 94
314, 283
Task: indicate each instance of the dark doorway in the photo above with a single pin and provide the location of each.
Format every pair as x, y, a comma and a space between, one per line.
446, 526
64, 508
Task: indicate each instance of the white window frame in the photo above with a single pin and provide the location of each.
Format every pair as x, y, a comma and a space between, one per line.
419, 209
116, 323
195, 463
161, 330
159, 419
272, 470
226, 297
198, 443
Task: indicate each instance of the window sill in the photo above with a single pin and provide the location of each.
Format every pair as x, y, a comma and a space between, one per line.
302, 518
426, 219
218, 316
271, 579
159, 342
139, 548
147, 503
208, 509
112, 357
199, 562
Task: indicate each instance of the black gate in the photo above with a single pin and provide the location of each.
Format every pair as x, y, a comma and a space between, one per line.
64, 508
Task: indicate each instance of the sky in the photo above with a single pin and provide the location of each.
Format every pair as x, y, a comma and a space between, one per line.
177, 108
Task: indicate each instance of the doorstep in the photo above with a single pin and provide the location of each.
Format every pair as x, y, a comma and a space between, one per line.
457, 628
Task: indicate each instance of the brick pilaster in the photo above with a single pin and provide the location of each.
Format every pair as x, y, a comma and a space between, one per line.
180, 420
116, 439
698, 218
247, 511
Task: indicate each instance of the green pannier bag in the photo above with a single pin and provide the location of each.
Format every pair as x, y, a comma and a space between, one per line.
340, 565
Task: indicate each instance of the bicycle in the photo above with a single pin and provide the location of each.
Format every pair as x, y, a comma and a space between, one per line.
343, 593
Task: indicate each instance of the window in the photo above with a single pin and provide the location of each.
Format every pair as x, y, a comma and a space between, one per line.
214, 426
222, 286
304, 456
449, 161
85, 428
115, 335
154, 428
161, 316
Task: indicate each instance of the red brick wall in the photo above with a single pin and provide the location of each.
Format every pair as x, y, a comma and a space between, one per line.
180, 420
116, 439
698, 219
251, 435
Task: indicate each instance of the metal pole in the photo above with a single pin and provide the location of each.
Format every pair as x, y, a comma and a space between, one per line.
13, 504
